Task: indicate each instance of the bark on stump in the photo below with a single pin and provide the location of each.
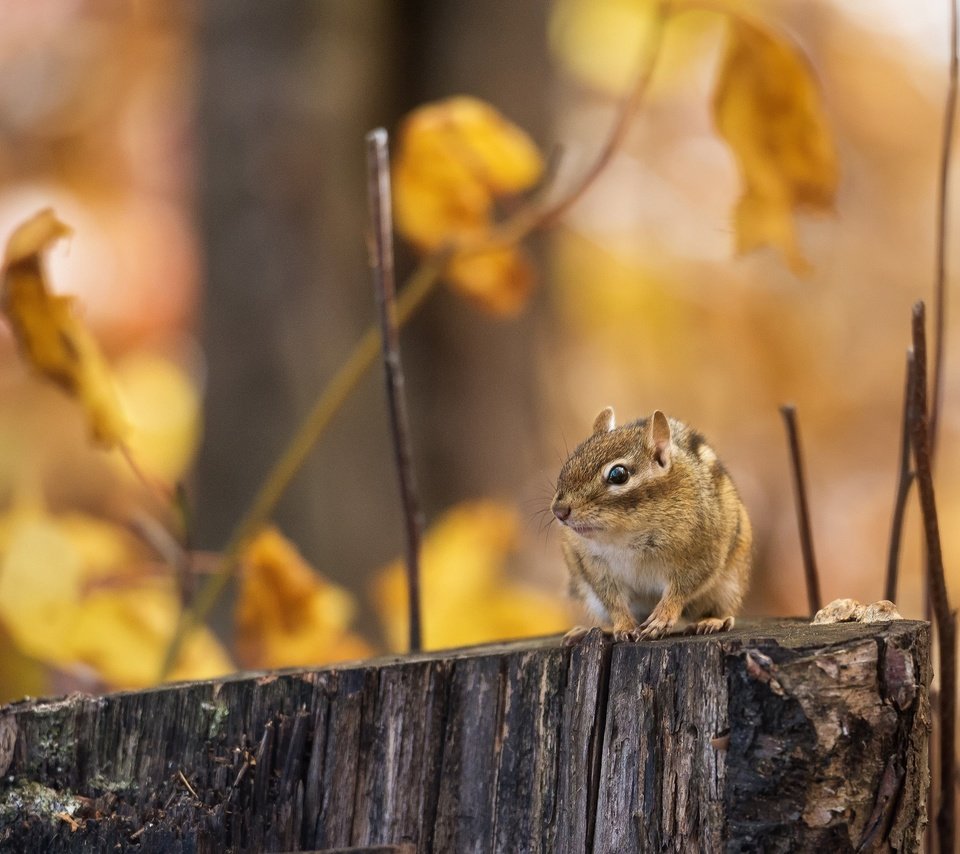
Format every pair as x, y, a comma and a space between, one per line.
778, 736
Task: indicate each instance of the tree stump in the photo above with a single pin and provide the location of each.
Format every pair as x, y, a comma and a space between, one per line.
778, 736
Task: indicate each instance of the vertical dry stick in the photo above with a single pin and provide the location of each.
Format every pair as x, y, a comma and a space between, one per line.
381, 215
940, 277
904, 481
940, 288
789, 413
946, 619
943, 192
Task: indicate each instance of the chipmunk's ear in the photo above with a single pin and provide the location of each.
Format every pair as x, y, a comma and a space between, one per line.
660, 439
604, 422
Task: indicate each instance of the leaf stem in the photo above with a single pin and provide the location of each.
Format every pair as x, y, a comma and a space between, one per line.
346, 379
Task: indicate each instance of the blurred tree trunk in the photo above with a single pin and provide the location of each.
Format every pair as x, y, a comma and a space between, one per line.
287, 91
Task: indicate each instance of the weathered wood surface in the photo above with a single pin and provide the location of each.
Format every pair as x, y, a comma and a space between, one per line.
774, 737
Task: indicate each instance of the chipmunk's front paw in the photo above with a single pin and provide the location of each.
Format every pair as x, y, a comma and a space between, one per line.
653, 629
656, 626
626, 633
663, 618
710, 625
575, 635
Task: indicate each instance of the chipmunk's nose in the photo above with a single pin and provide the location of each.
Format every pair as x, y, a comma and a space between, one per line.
561, 511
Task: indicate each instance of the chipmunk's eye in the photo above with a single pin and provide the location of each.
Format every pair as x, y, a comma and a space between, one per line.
618, 475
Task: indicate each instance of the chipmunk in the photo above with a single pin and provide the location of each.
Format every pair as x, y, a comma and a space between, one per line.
653, 528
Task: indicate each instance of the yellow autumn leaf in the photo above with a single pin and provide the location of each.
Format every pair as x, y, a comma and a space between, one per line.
20, 675
604, 42
51, 335
41, 577
768, 108
467, 597
163, 410
601, 40
286, 614
57, 608
123, 634
455, 159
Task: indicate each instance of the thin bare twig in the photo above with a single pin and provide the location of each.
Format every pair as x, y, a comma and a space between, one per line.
543, 214
945, 617
905, 477
69, 819
789, 413
364, 354
384, 283
186, 782
174, 549
168, 548
943, 194
625, 115
158, 490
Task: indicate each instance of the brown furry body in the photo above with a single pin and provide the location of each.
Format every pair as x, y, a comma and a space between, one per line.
672, 540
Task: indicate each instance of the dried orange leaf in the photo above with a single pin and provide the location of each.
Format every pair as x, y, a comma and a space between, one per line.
287, 614
453, 159
467, 596
51, 336
768, 108
499, 280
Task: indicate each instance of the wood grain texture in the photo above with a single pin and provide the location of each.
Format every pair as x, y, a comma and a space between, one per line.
778, 736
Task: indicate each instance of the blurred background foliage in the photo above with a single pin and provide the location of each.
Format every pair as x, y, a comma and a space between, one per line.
209, 160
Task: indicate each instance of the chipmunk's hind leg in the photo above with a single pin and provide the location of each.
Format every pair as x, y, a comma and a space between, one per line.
713, 610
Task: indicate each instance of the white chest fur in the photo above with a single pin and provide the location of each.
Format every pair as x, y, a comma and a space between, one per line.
638, 572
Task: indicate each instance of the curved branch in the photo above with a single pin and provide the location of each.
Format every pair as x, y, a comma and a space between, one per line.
364, 354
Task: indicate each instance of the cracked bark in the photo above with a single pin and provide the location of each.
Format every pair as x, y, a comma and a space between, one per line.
778, 736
